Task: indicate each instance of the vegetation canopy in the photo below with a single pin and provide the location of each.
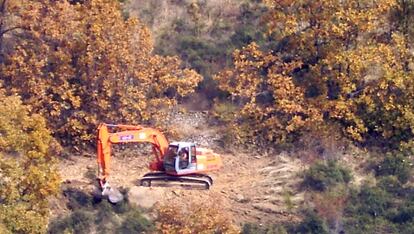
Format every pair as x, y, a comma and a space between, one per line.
98, 67
329, 84
345, 61
28, 176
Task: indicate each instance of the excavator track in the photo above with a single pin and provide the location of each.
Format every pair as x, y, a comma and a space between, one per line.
193, 179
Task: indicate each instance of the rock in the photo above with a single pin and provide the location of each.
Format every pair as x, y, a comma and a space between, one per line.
239, 197
284, 156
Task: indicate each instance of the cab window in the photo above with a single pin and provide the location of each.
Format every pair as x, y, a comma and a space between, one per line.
171, 153
193, 154
183, 153
183, 158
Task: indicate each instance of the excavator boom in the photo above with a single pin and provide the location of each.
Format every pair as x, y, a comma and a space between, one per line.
128, 134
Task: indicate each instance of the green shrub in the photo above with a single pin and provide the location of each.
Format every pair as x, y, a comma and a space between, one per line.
224, 111
373, 201
252, 228
104, 212
395, 164
391, 184
245, 35
102, 215
77, 199
103, 205
121, 207
359, 224
321, 175
312, 224
135, 223
406, 228
374, 210
404, 214
78, 222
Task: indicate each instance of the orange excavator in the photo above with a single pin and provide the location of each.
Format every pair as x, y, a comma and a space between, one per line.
181, 162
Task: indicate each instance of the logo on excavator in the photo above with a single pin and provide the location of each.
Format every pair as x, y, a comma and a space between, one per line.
126, 137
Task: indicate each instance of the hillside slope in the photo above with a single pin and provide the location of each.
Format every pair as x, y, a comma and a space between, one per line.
253, 187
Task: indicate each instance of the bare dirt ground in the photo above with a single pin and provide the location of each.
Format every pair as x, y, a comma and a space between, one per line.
253, 186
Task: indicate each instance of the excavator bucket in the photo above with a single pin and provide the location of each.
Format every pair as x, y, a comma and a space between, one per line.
113, 194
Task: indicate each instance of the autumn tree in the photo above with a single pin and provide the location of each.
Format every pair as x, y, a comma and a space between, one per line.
28, 176
351, 64
97, 67
7, 23
273, 107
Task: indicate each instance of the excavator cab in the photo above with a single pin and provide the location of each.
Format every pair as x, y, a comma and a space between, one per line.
180, 158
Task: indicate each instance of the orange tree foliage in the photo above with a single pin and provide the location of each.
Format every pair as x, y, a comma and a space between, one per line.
197, 218
273, 107
350, 63
81, 64
27, 172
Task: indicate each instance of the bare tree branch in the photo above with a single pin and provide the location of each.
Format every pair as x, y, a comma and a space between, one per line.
11, 29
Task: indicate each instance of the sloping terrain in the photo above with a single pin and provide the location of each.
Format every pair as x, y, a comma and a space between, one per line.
161, 15
254, 186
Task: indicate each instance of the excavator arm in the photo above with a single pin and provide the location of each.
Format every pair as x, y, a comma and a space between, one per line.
128, 134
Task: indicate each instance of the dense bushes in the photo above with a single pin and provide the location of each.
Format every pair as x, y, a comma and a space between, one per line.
91, 213
272, 107
373, 201
321, 175
382, 205
311, 224
135, 222
104, 217
325, 73
77, 222
250, 228
391, 184
374, 210
386, 206
395, 164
